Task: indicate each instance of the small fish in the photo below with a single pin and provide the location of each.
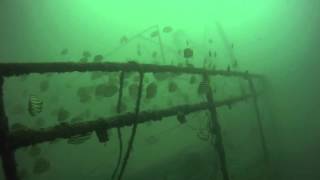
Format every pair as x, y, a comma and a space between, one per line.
232, 45
215, 54
124, 40
167, 29
86, 54
188, 53
228, 68
35, 105
210, 41
44, 85
64, 51
154, 34
151, 90
210, 53
41, 165
98, 58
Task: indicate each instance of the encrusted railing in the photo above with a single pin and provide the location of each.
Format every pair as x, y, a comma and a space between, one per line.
10, 141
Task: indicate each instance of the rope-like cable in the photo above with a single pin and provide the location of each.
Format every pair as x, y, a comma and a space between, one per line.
134, 128
118, 129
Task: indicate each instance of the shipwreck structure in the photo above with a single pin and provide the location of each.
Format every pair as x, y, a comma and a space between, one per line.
10, 141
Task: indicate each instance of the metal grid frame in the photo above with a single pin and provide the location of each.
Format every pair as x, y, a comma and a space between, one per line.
9, 142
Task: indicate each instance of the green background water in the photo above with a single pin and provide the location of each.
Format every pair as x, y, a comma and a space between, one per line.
277, 38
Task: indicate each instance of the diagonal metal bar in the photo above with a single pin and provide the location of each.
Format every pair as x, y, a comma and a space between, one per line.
217, 129
260, 125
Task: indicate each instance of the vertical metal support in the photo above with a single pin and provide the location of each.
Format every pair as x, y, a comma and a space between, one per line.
7, 154
260, 126
217, 129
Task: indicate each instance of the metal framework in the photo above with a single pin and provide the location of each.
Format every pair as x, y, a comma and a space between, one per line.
10, 141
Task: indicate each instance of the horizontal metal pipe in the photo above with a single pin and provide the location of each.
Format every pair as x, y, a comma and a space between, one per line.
15, 69
26, 137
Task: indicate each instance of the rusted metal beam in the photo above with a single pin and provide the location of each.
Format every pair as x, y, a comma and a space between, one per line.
12, 69
264, 146
212, 107
22, 138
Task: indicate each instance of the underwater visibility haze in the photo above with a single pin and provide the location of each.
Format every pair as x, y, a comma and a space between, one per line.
274, 135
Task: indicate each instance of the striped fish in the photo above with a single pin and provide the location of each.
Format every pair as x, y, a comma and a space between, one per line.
203, 87
35, 105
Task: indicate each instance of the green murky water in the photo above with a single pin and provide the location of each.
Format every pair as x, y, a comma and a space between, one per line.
277, 38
